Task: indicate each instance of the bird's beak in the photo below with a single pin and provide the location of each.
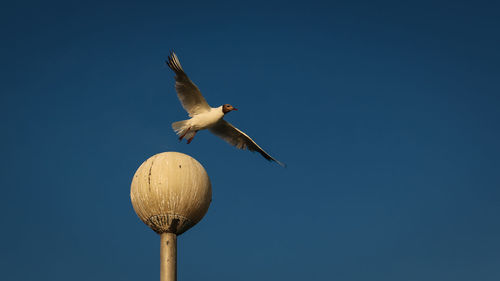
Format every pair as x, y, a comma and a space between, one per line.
235, 109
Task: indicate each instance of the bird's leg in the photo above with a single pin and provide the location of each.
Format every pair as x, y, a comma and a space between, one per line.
191, 138
183, 135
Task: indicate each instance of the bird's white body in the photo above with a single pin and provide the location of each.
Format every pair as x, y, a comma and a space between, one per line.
200, 121
207, 119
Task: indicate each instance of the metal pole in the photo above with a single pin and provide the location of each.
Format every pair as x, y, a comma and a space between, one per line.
168, 256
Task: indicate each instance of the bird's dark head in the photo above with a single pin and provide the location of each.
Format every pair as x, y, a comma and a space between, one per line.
227, 108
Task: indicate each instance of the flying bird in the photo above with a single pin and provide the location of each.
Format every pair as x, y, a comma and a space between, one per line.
205, 117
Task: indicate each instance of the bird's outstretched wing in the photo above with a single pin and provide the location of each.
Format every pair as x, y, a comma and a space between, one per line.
234, 136
190, 96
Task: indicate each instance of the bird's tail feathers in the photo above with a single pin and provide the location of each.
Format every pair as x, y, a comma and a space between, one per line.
180, 127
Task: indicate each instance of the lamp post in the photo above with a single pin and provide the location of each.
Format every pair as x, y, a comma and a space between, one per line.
170, 193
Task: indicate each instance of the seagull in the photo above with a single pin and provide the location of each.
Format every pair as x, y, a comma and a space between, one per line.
205, 117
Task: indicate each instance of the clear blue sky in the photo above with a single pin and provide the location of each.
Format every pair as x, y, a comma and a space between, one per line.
387, 114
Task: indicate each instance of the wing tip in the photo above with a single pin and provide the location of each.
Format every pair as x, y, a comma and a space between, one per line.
173, 62
278, 162
271, 159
